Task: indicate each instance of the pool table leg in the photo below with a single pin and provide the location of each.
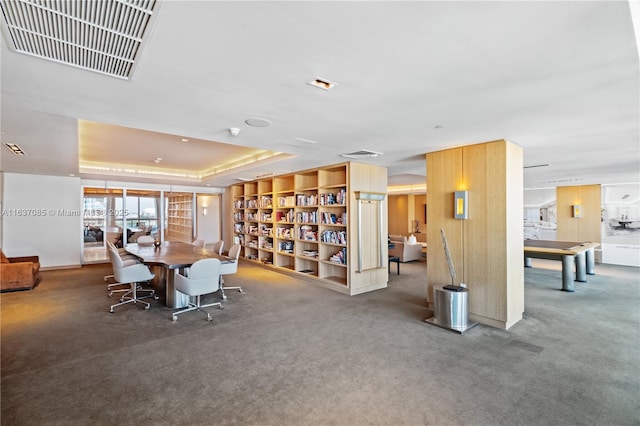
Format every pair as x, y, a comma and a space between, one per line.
567, 273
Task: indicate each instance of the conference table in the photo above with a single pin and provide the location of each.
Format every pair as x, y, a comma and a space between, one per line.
571, 253
167, 260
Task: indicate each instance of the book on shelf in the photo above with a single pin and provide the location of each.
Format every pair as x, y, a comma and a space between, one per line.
288, 201
266, 202
306, 200
334, 237
339, 257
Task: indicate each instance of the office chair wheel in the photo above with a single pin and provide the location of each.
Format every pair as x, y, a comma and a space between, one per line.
209, 318
174, 318
146, 308
111, 310
221, 306
240, 290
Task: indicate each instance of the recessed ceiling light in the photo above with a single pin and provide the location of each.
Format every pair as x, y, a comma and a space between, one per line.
15, 149
322, 83
258, 122
184, 140
157, 160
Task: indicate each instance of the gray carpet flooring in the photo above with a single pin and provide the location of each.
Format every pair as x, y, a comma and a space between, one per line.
288, 352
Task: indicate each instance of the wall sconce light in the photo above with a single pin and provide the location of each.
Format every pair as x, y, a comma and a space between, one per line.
204, 210
577, 210
461, 205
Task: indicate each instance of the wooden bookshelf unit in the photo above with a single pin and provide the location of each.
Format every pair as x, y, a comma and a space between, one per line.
306, 223
180, 217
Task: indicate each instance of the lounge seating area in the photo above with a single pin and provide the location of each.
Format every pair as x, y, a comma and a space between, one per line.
19, 273
400, 246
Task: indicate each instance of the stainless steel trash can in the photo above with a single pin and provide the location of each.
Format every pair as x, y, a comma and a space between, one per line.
451, 310
451, 307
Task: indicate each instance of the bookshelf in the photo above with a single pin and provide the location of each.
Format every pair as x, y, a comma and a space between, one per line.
180, 217
303, 223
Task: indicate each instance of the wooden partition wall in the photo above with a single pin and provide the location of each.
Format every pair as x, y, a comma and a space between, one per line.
587, 227
487, 248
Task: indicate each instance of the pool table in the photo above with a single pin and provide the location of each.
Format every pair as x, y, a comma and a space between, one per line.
578, 253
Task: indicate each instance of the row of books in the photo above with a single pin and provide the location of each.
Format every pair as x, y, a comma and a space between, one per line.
266, 202
285, 216
335, 219
265, 243
282, 232
286, 247
334, 237
339, 257
307, 233
307, 200
310, 253
328, 199
307, 217
288, 201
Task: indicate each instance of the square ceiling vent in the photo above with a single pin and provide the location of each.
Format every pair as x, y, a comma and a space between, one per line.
102, 36
363, 153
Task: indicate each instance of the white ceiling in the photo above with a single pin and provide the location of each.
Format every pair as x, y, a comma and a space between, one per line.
561, 79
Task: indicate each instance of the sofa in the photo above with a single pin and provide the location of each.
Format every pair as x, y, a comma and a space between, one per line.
400, 247
19, 273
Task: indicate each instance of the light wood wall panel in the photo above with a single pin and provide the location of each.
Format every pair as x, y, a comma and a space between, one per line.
368, 178
587, 227
487, 248
398, 214
444, 177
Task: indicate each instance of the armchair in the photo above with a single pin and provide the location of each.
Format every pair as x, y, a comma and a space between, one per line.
19, 273
403, 250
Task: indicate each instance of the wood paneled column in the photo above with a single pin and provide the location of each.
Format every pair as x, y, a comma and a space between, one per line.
487, 248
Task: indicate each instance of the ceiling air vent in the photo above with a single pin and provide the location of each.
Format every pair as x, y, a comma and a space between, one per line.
363, 153
102, 36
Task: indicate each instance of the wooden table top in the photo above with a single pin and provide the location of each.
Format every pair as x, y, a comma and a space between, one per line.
173, 255
558, 247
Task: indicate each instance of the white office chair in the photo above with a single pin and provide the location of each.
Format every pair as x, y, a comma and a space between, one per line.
128, 260
230, 268
146, 240
203, 279
198, 242
132, 275
217, 247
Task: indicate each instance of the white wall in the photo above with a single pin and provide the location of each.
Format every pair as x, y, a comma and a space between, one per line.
209, 225
42, 215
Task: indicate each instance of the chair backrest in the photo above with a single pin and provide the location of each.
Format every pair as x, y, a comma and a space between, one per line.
234, 251
204, 278
199, 242
145, 239
217, 247
114, 257
231, 268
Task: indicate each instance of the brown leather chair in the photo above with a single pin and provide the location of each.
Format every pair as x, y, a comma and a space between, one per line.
19, 273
